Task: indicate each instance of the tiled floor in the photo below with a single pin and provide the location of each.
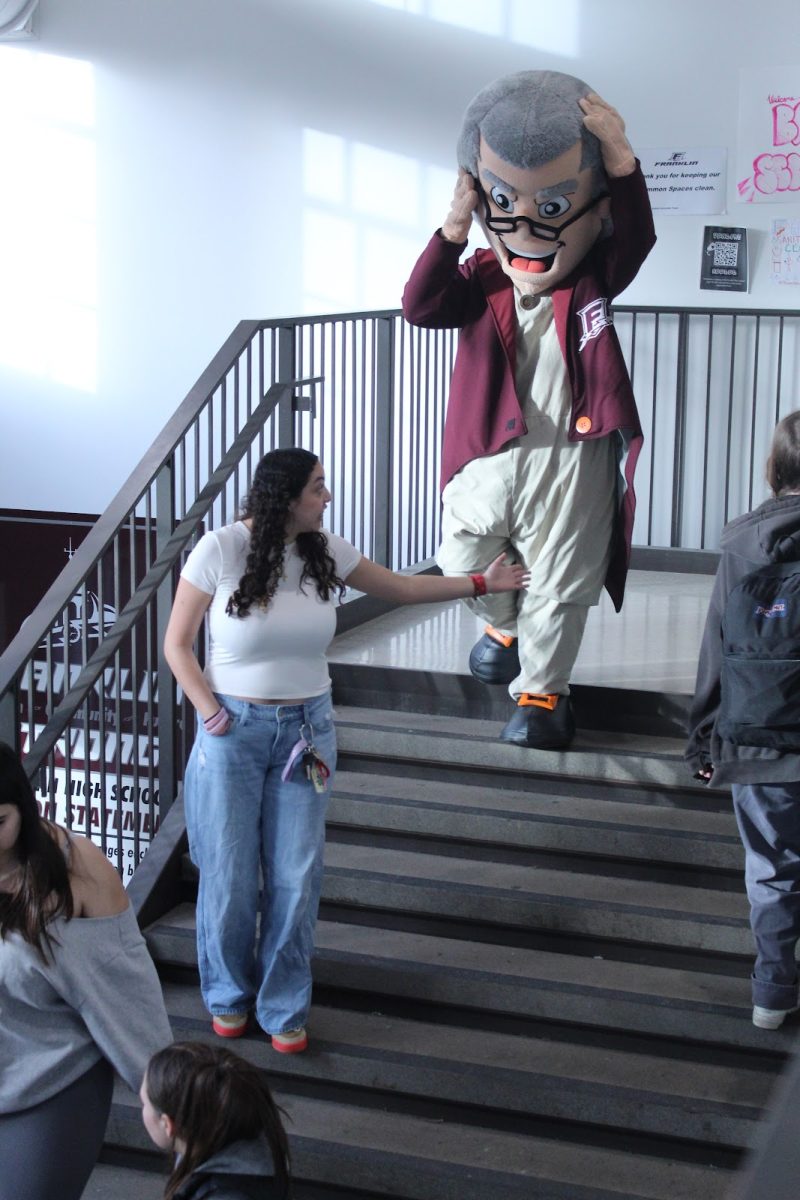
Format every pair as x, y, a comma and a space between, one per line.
651, 645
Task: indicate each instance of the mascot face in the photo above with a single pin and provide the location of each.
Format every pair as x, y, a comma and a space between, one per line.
542, 222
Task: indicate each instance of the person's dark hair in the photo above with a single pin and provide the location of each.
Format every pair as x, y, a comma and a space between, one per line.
44, 890
278, 480
214, 1098
783, 464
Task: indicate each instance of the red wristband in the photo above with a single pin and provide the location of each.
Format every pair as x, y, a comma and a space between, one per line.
479, 584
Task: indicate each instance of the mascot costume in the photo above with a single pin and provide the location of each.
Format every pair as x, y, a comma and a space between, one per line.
542, 432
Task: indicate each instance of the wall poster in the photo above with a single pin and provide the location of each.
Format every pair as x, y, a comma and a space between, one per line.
685, 181
785, 251
768, 166
723, 266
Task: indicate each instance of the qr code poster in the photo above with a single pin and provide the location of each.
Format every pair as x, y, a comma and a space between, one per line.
768, 158
723, 266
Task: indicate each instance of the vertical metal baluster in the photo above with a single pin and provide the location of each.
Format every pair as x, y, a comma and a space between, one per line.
210, 456
32, 692
779, 374
706, 431
361, 384
405, 417
118, 723
413, 443
401, 416
383, 468
429, 442
753, 414
49, 701
653, 413
67, 631
731, 377
223, 446
679, 458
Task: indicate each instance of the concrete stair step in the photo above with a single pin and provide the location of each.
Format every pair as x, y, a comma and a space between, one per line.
384, 735
533, 1076
110, 1181
432, 690
600, 993
516, 896
389, 1153
609, 821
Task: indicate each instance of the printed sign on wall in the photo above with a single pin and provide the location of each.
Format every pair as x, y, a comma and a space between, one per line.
768, 168
685, 181
723, 267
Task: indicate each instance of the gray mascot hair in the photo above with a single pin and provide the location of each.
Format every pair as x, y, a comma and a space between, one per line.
529, 119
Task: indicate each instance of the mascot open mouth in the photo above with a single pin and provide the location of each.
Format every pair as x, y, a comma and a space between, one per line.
534, 264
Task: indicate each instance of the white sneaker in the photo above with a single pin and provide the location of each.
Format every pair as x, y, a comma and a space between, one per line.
771, 1018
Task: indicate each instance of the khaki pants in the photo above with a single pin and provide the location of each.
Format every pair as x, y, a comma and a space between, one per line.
550, 506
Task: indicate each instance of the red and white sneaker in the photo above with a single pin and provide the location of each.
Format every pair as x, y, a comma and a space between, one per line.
230, 1025
292, 1041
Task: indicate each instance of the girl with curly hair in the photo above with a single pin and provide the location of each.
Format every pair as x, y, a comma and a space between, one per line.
215, 1112
260, 772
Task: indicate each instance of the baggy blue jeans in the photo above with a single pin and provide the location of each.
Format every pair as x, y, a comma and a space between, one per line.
245, 823
768, 816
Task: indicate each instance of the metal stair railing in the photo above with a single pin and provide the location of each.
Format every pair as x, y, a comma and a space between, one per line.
85, 694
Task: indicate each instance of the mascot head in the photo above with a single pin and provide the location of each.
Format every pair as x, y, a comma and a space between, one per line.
542, 196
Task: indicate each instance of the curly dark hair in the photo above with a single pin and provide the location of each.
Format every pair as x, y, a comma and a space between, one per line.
215, 1098
278, 480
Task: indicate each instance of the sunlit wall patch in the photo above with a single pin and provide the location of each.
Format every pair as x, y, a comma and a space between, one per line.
48, 220
550, 27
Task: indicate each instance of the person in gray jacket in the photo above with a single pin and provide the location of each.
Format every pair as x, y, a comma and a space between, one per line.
215, 1113
765, 780
79, 997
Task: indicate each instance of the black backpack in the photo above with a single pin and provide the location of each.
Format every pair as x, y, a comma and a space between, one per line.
760, 678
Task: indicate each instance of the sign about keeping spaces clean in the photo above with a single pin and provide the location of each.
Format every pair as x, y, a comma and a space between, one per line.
685, 181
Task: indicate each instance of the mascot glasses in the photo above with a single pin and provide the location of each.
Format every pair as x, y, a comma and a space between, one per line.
546, 233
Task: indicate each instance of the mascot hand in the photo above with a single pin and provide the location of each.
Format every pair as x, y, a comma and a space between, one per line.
455, 227
609, 128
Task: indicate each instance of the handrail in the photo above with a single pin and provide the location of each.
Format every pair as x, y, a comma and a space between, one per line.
154, 577
98, 540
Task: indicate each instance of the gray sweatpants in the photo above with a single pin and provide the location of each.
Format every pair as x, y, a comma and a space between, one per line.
48, 1152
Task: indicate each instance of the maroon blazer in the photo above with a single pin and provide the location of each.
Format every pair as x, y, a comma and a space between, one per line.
484, 411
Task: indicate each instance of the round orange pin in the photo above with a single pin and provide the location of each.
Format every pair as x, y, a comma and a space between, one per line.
583, 424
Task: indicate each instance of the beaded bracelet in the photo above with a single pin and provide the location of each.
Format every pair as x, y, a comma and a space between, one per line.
479, 584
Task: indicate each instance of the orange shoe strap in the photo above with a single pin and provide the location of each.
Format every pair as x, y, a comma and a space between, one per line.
504, 639
546, 700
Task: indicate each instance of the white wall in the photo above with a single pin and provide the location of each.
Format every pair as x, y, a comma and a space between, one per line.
174, 166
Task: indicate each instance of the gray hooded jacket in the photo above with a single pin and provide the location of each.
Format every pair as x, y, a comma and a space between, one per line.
242, 1171
768, 534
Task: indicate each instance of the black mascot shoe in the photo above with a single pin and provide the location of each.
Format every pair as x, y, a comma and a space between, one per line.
541, 727
492, 661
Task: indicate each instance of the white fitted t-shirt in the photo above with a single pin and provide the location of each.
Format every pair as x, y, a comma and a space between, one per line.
277, 652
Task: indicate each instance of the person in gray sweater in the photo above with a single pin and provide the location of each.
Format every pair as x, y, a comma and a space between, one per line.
764, 778
215, 1113
79, 998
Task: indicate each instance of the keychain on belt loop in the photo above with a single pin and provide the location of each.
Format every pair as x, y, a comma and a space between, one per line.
316, 771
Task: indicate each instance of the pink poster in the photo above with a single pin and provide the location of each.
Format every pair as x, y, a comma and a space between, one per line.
768, 163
